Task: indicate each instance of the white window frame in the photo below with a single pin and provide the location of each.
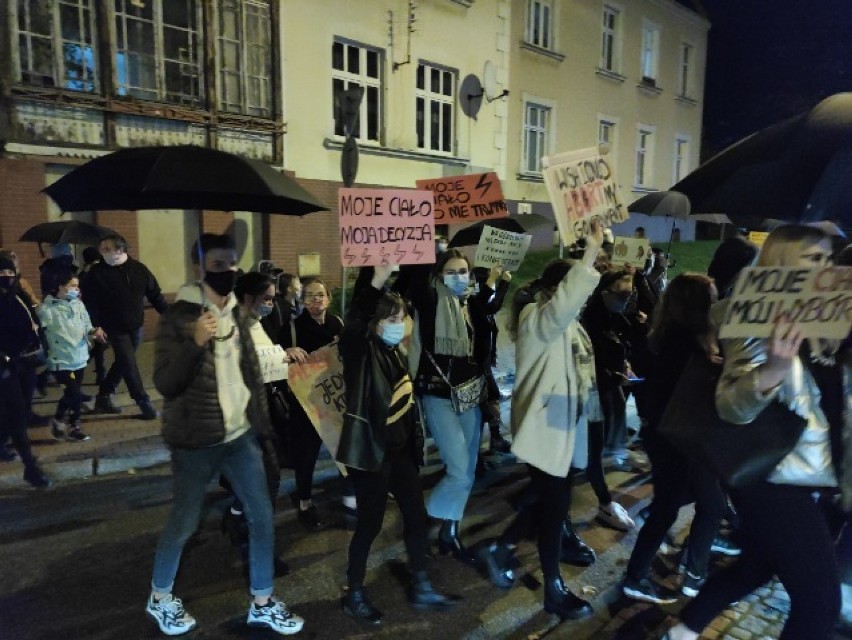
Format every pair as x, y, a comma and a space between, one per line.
544, 133
540, 24
681, 157
373, 98
611, 38
686, 69
57, 72
649, 55
444, 103
251, 49
191, 67
613, 124
643, 157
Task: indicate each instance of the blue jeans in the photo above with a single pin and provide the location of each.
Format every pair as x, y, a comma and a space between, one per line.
241, 462
457, 438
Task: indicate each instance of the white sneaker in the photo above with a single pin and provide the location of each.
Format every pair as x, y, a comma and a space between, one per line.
274, 615
615, 516
170, 615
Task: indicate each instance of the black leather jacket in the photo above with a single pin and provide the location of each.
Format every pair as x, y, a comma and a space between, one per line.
366, 361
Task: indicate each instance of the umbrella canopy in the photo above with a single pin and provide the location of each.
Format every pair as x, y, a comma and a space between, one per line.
792, 171
662, 203
66, 231
180, 177
469, 236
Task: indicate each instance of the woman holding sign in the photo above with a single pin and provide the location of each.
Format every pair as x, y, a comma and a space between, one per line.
382, 443
784, 529
448, 358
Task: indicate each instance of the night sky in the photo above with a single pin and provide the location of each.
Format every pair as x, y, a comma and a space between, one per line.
769, 60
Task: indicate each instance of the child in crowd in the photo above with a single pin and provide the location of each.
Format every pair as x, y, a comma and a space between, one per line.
68, 329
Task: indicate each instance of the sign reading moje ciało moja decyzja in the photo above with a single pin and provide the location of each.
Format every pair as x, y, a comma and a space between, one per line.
819, 300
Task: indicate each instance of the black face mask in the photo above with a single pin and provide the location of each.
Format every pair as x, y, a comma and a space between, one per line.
222, 282
8, 284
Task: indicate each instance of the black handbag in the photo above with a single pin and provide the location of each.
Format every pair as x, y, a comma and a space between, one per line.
738, 454
279, 413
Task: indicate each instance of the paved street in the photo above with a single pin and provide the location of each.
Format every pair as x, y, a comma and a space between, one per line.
76, 559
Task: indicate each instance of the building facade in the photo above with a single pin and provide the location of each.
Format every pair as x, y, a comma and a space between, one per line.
449, 87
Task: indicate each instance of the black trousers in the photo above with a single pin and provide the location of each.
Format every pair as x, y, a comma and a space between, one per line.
594, 468
15, 409
784, 533
72, 396
401, 476
677, 482
306, 444
124, 367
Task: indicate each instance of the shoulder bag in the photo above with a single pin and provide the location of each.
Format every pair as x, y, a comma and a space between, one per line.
738, 454
464, 396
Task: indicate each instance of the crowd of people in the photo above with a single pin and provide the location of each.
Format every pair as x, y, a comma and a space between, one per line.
588, 333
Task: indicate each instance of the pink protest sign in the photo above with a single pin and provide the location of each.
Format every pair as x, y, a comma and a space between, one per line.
386, 226
468, 198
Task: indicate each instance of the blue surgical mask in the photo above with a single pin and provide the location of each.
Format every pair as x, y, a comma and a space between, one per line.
72, 294
458, 283
263, 310
392, 333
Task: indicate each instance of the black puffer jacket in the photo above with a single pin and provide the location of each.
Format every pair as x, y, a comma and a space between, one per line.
186, 376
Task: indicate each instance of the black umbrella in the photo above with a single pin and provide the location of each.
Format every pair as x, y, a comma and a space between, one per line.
180, 177
66, 231
797, 170
525, 223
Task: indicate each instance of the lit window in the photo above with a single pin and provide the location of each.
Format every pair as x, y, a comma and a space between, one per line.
610, 44
536, 136
540, 23
650, 52
158, 50
356, 65
56, 44
435, 97
644, 157
244, 57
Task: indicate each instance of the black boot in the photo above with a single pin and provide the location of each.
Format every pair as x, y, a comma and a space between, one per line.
448, 542
356, 605
36, 477
497, 560
558, 600
573, 550
235, 527
423, 597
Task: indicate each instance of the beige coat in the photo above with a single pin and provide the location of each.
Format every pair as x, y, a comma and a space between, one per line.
555, 390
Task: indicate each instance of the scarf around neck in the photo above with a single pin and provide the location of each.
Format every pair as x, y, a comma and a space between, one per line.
451, 336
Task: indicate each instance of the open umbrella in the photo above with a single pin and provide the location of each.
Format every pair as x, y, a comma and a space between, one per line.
797, 170
180, 177
65, 231
525, 223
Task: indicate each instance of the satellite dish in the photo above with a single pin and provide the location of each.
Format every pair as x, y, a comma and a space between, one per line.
489, 79
470, 96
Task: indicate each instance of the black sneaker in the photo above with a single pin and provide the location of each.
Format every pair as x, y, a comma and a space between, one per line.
725, 547
6, 454
646, 591
691, 584
148, 411
309, 518
35, 476
75, 434
499, 444
105, 404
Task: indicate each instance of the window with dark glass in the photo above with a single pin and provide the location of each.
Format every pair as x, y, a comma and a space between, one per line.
435, 92
357, 65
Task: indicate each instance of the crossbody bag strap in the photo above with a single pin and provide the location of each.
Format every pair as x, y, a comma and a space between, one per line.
292, 332
438, 369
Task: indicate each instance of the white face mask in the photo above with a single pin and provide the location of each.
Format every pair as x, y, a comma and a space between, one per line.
115, 259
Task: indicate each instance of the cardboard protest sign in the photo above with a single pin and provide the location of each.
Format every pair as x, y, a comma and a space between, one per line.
504, 248
582, 187
477, 196
273, 365
819, 300
318, 386
632, 251
386, 226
